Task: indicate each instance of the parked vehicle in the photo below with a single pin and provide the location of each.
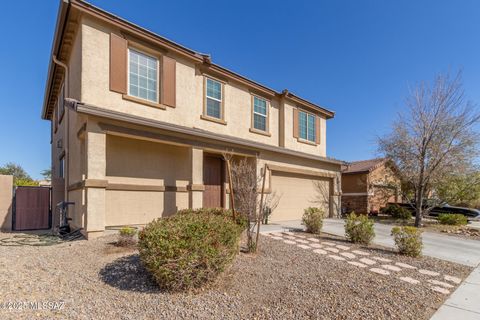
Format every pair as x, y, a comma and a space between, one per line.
470, 213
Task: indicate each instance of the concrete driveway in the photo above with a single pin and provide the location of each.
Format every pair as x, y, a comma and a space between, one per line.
450, 248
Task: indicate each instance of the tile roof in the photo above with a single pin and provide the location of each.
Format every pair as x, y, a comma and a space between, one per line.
363, 165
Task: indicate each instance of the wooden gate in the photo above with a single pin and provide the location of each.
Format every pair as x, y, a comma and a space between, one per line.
32, 210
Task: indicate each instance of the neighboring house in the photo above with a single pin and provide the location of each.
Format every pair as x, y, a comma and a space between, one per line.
140, 123
369, 185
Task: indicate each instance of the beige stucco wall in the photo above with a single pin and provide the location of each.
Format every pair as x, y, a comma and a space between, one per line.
292, 143
6, 197
145, 162
141, 207
139, 162
189, 96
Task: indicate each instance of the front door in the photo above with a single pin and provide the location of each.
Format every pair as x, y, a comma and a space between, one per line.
213, 181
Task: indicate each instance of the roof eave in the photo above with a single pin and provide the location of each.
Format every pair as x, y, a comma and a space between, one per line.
61, 19
96, 11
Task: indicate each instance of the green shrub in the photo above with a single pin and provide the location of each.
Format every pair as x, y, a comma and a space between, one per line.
453, 219
190, 248
313, 219
397, 212
359, 229
408, 240
126, 236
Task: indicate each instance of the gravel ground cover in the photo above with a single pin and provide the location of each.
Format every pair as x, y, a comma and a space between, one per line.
287, 279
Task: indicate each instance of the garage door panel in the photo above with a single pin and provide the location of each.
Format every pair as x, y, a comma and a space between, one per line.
297, 192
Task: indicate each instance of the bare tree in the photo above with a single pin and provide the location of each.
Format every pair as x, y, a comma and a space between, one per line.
322, 196
247, 195
435, 136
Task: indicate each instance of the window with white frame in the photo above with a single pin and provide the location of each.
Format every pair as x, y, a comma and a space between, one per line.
306, 126
260, 113
142, 76
213, 98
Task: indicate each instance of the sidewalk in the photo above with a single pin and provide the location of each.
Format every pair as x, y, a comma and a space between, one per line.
464, 303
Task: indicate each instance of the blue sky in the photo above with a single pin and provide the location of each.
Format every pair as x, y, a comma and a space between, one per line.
357, 58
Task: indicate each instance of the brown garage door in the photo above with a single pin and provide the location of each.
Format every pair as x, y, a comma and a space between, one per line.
298, 192
32, 208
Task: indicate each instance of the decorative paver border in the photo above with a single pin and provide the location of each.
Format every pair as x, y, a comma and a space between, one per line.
378, 265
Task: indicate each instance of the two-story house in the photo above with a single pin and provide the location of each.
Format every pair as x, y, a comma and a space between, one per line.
140, 123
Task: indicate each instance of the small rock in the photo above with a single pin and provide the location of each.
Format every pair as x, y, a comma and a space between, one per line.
336, 257
391, 268
440, 290
320, 251
380, 271
301, 241
453, 279
440, 283
382, 259
409, 280
367, 261
348, 255
303, 246
429, 273
328, 243
332, 250
404, 265
343, 247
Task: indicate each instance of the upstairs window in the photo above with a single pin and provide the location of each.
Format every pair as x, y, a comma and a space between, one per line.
214, 99
306, 126
61, 167
142, 76
260, 114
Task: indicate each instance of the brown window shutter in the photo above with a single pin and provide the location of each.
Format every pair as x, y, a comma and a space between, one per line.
118, 64
168, 81
295, 123
317, 130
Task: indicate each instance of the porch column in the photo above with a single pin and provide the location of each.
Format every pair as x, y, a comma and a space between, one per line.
95, 182
336, 196
196, 186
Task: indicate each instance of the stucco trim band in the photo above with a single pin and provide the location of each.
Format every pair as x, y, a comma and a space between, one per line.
120, 116
96, 183
300, 171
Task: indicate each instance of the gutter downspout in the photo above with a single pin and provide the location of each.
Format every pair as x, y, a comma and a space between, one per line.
67, 126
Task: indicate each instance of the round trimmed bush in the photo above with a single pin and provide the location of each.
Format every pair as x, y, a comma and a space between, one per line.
397, 212
126, 236
359, 229
454, 219
408, 240
190, 248
313, 220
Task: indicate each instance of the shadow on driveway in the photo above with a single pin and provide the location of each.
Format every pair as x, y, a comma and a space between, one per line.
128, 273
